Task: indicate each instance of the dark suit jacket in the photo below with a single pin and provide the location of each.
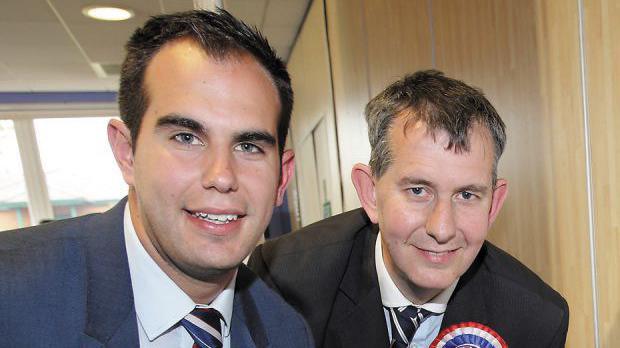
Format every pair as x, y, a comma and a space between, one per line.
67, 284
327, 271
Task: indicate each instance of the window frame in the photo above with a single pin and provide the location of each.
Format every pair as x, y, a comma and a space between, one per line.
23, 116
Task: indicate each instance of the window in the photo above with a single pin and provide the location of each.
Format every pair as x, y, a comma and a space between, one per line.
13, 195
55, 168
80, 171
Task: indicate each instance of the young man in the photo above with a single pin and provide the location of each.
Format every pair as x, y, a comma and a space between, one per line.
412, 268
205, 106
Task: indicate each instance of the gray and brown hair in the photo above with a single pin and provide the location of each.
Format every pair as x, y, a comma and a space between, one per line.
441, 103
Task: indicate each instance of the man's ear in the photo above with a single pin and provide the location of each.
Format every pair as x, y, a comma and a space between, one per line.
119, 137
362, 178
287, 170
500, 192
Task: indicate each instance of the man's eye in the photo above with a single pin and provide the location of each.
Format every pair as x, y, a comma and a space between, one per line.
467, 195
418, 191
248, 147
187, 139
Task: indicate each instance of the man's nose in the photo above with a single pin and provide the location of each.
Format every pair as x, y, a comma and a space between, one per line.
440, 223
219, 172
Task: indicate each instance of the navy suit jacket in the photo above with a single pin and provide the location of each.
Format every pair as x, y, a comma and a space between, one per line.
67, 284
327, 271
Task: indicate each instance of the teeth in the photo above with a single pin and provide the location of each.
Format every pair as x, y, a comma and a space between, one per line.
217, 218
437, 253
441, 253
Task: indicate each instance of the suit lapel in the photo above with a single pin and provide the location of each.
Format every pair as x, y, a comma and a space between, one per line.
468, 300
111, 317
125, 335
247, 328
357, 318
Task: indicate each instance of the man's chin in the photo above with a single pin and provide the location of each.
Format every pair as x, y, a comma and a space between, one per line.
211, 272
441, 280
436, 284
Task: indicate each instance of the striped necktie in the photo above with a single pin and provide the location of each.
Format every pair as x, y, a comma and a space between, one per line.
203, 324
405, 322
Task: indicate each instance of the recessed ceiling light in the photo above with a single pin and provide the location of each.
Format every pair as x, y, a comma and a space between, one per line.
107, 13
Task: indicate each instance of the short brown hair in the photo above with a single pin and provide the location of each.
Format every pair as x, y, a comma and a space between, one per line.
221, 35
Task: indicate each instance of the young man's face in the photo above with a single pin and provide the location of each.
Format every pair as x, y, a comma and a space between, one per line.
206, 171
434, 207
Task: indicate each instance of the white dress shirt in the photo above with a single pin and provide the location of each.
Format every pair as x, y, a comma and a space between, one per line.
392, 297
160, 304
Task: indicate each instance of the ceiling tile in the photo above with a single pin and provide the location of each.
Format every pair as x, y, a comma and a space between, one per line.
286, 13
283, 51
39, 54
25, 10
5, 73
171, 6
249, 11
279, 35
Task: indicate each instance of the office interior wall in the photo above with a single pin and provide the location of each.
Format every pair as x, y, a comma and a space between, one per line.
311, 80
349, 68
398, 36
602, 57
526, 56
367, 53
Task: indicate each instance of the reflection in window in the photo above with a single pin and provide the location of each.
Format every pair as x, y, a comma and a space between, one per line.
13, 194
81, 174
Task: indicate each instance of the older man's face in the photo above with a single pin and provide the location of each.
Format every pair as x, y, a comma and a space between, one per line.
434, 207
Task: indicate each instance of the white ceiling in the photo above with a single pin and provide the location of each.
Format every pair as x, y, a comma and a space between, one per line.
48, 45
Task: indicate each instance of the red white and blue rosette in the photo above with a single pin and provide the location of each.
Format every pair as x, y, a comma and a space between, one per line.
468, 335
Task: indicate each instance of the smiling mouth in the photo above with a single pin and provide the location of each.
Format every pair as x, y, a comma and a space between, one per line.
218, 219
437, 254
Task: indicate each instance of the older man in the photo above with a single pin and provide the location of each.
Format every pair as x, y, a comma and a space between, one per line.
412, 268
205, 106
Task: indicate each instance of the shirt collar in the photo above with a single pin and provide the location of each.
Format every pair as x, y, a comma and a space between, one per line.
160, 303
392, 297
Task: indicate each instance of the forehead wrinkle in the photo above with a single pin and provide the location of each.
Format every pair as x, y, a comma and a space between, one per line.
416, 165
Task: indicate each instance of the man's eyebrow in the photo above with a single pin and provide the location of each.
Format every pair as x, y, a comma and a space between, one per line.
474, 188
180, 121
255, 136
410, 180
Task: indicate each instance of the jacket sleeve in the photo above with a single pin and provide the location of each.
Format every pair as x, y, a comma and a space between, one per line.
559, 339
257, 264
